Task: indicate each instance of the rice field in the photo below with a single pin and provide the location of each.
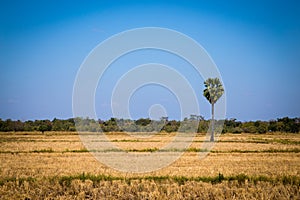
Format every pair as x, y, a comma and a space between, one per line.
56, 165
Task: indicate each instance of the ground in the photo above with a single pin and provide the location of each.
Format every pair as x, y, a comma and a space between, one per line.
56, 165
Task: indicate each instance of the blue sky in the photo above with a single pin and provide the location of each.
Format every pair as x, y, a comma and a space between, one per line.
255, 44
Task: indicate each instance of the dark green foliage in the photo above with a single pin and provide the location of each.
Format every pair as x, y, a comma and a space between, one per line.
293, 150
63, 125
171, 126
237, 130
249, 127
232, 126
144, 150
143, 122
43, 151
218, 179
151, 150
77, 151
203, 126
180, 179
289, 125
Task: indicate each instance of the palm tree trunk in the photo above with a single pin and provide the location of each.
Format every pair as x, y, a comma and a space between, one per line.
212, 137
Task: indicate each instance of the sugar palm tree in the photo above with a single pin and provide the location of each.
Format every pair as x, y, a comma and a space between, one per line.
213, 91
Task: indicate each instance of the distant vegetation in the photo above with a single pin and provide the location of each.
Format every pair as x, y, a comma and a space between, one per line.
286, 124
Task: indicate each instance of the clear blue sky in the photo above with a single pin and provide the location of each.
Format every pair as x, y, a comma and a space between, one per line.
255, 44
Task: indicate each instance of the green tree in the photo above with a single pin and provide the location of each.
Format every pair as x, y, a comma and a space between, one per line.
249, 127
143, 122
212, 92
203, 126
44, 125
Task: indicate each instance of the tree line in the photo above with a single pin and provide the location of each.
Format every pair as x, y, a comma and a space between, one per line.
192, 124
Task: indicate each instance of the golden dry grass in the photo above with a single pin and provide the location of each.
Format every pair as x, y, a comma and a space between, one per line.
44, 157
145, 189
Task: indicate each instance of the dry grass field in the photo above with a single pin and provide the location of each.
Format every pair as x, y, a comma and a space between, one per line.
56, 165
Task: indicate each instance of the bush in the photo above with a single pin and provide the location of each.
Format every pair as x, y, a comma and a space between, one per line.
237, 130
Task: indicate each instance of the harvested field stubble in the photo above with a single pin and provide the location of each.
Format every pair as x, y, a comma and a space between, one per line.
57, 166
147, 189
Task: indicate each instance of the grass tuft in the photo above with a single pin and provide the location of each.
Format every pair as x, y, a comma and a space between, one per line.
50, 150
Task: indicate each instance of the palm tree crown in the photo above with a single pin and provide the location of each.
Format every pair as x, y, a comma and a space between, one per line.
213, 90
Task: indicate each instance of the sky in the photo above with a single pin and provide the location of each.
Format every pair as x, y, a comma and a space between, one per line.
254, 44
